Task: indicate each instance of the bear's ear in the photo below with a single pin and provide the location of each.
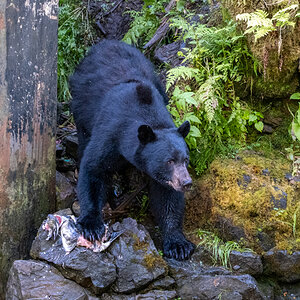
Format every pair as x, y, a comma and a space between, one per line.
144, 93
184, 129
146, 134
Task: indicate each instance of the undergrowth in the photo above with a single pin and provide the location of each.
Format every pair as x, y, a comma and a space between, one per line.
219, 250
203, 90
145, 22
75, 34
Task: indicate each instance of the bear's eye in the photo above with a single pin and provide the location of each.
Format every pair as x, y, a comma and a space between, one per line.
171, 162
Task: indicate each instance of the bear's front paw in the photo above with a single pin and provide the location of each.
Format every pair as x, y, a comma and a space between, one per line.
92, 228
178, 247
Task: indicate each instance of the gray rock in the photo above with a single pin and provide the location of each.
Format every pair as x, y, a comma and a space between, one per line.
89, 269
163, 283
283, 266
132, 261
29, 279
195, 282
136, 258
246, 263
152, 295
65, 192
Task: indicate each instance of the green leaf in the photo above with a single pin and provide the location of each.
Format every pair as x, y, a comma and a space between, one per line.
295, 96
252, 118
195, 132
296, 129
259, 126
193, 118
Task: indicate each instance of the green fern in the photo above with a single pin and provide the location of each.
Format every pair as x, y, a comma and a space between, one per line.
260, 24
203, 89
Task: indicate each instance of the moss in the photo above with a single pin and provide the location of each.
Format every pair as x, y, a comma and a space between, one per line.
252, 199
152, 260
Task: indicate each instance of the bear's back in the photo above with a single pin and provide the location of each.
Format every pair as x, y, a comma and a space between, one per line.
108, 64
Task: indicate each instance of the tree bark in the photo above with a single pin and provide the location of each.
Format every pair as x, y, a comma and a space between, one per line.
28, 50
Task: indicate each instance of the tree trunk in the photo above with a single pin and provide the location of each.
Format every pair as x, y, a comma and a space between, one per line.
28, 46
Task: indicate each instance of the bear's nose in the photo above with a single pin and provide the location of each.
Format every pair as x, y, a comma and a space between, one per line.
187, 184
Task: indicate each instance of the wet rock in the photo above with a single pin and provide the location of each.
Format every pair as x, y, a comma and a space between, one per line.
132, 261
194, 282
153, 295
164, 283
29, 279
71, 144
246, 262
65, 192
136, 258
283, 266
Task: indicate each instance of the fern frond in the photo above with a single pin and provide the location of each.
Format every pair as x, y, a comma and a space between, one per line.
182, 72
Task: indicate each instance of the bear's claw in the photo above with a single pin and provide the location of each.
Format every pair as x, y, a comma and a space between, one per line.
178, 248
92, 229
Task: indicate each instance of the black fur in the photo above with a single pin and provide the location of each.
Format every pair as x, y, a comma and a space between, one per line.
119, 107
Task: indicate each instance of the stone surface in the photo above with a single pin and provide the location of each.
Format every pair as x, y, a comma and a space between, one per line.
30, 279
137, 260
246, 263
65, 192
153, 295
283, 266
196, 282
132, 261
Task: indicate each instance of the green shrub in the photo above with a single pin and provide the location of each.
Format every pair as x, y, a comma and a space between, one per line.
145, 23
203, 90
74, 36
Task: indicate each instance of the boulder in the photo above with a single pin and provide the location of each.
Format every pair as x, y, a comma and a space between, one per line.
196, 282
131, 263
282, 265
29, 279
246, 263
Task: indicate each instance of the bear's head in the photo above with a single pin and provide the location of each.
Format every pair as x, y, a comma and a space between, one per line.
164, 155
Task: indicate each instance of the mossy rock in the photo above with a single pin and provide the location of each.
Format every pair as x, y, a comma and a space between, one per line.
250, 200
277, 53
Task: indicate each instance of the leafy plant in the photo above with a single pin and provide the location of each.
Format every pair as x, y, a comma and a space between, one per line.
145, 22
260, 24
203, 90
74, 36
293, 152
219, 250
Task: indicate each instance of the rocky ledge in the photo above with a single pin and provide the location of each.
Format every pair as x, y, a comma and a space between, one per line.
132, 268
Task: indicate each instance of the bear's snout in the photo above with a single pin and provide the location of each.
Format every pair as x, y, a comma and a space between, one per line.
181, 180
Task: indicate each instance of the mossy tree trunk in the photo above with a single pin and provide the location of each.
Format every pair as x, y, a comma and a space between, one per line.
28, 46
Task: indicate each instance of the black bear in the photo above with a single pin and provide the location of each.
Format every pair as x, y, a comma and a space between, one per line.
119, 107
